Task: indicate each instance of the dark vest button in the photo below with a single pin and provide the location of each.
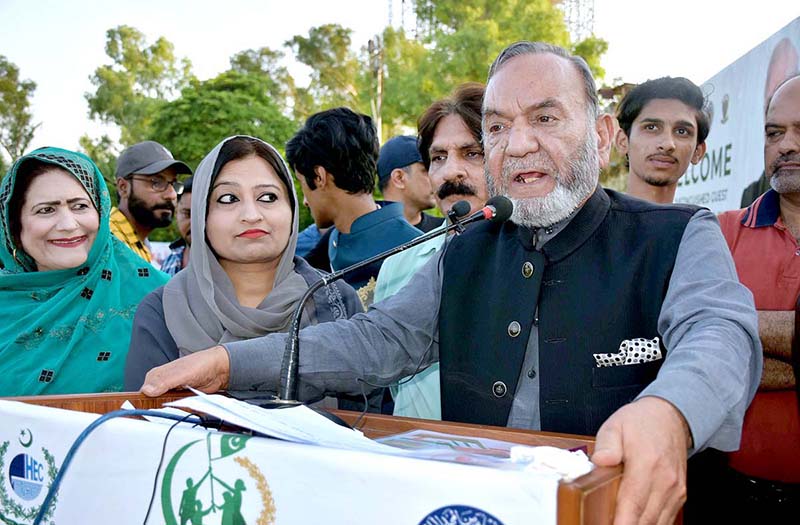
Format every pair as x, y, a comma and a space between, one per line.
527, 270
514, 329
532, 373
499, 389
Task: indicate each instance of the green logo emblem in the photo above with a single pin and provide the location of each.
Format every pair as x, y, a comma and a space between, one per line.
221, 482
25, 437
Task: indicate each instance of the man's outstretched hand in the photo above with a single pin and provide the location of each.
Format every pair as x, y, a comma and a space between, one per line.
207, 371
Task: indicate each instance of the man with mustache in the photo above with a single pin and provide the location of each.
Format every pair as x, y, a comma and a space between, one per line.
147, 189
451, 151
585, 313
765, 476
663, 127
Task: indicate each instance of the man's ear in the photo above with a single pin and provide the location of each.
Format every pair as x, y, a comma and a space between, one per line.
322, 177
699, 152
621, 142
605, 133
398, 178
123, 188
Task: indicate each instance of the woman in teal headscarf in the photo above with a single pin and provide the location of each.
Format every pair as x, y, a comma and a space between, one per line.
68, 288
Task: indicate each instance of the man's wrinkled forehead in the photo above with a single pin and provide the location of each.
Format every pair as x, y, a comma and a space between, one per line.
532, 79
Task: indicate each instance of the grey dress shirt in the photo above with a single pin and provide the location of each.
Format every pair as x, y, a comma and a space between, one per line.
707, 322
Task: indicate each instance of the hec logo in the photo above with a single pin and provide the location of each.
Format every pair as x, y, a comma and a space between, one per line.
26, 476
29, 475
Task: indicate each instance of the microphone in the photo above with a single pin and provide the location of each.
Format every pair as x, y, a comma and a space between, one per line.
497, 209
458, 210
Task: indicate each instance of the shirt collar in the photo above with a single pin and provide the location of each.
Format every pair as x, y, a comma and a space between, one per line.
764, 211
558, 241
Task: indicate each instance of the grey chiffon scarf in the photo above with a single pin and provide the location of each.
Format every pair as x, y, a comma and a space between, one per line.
200, 305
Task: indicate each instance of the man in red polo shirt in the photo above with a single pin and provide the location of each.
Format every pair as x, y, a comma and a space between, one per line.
765, 241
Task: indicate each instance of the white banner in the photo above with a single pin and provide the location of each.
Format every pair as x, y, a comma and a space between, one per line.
735, 154
218, 478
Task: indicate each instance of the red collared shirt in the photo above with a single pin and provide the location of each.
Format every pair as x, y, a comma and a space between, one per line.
767, 258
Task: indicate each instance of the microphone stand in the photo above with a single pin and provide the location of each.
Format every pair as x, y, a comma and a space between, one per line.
287, 394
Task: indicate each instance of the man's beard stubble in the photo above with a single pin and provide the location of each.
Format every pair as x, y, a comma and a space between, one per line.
571, 190
147, 216
785, 182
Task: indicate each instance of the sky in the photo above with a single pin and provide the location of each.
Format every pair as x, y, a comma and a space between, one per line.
58, 44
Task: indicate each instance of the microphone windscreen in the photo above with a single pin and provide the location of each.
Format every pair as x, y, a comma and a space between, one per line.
503, 208
460, 209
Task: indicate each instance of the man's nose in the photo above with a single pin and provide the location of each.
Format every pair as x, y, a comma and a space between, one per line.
453, 169
170, 194
522, 140
790, 142
667, 143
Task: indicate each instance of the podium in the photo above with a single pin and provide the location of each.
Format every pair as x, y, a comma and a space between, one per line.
589, 499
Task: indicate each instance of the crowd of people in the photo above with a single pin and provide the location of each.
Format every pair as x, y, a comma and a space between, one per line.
649, 324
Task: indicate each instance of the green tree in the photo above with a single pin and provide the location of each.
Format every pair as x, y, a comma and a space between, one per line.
466, 35
16, 119
275, 78
104, 153
334, 69
140, 79
408, 82
456, 43
206, 112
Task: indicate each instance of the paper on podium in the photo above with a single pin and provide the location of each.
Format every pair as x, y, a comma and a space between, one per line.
298, 423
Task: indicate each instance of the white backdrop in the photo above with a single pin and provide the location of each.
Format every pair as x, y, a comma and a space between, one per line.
735, 155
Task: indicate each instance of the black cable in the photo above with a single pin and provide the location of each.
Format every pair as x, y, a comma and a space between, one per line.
160, 463
53, 489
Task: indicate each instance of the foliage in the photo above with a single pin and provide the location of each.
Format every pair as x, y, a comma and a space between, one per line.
466, 35
131, 90
16, 119
275, 78
103, 153
206, 112
591, 49
334, 69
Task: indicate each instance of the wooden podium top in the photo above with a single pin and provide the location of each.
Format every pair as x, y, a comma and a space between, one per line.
588, 500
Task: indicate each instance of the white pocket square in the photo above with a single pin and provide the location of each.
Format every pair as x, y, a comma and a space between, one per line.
631, 352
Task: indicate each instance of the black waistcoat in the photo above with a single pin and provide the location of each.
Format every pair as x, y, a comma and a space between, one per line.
598, 282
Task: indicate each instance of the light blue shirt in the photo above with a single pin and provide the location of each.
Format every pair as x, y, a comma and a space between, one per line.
420, 396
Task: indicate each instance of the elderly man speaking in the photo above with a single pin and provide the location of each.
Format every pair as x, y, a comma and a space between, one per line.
588, 312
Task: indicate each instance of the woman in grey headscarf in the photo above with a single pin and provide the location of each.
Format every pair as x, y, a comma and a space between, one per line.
243, 279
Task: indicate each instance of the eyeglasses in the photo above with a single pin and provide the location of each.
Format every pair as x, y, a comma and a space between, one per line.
158, 184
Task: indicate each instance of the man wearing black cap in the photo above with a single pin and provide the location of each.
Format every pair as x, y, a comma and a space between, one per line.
403, 178
148, 188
